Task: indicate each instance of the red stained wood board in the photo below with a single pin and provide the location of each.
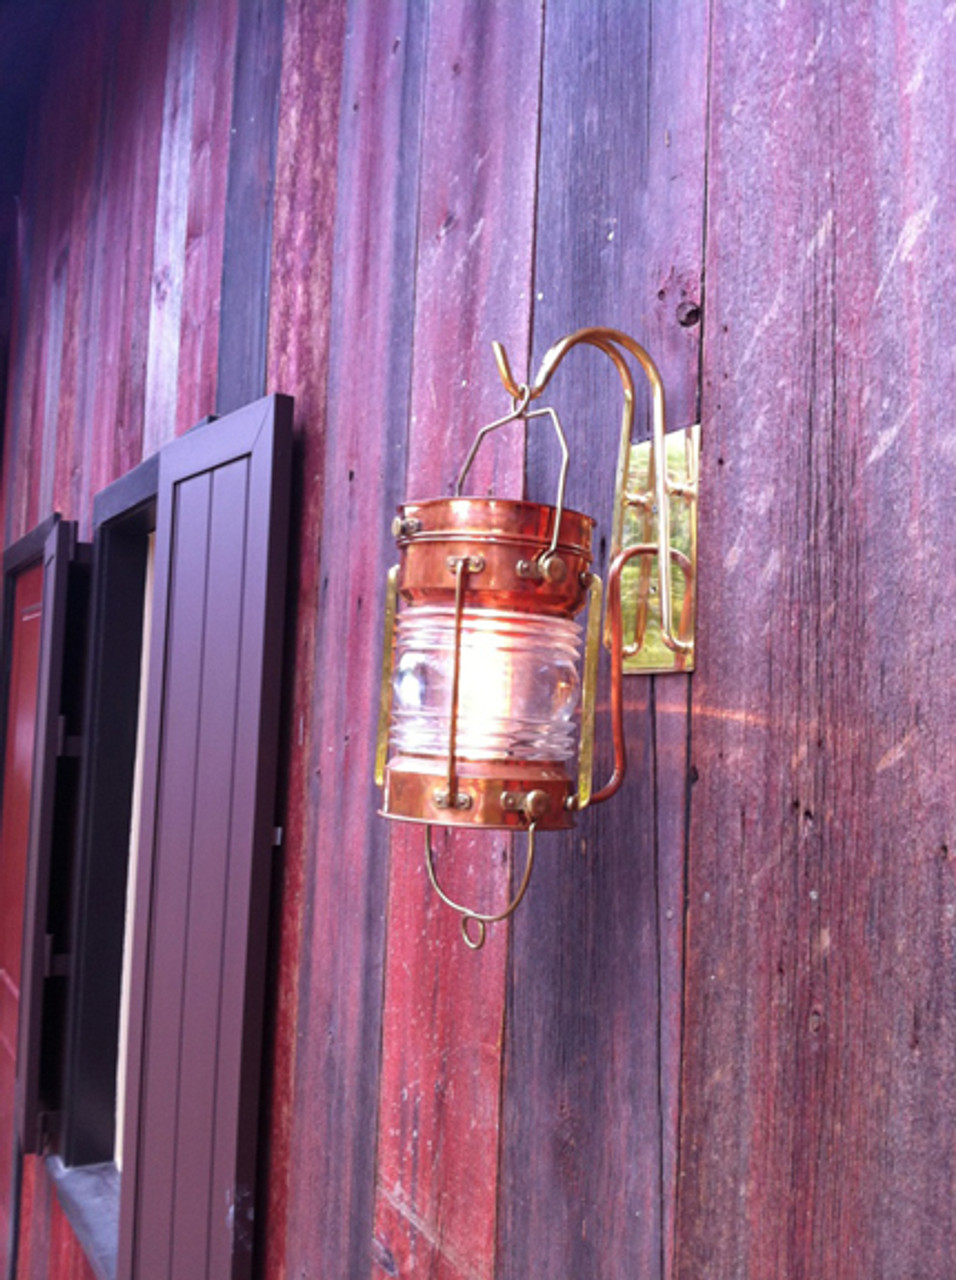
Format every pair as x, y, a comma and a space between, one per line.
141, 50
818, 1118
439, 1099
356, 484
215, 40
169, 242
594, 1016
298, 356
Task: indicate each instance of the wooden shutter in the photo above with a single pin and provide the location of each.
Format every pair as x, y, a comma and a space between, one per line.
44, 958
199, 944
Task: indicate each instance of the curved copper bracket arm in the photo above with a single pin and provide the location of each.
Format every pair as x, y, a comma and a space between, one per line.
610, 341
476, 940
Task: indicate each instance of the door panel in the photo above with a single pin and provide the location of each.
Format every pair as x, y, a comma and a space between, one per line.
14, 837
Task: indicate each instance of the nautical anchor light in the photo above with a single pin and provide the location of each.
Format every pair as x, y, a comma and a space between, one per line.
483, 700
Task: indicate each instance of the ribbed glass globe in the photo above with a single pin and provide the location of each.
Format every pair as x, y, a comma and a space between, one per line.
518, 687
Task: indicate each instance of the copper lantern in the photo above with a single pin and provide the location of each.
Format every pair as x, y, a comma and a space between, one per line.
488, 680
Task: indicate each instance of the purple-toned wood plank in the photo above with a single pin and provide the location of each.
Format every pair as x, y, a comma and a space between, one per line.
439, 1105
54, 367
47, 230
247, 235
105, 234
298, 356
83, 103
142, 46
473, 279
169, 244
669, 279
26, 353
215, 37
818, 1114
16, 362
594, 1011
330, 1211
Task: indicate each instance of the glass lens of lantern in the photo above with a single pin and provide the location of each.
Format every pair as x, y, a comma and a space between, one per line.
518, 685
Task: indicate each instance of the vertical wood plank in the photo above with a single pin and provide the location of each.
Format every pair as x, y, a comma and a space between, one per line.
41, 426
52, 373
169, 244
142, 35
595, 999
15, 379
78, 135
32, 254
340, 994
669, 282
439, 1105
300, 320
819, 1121
215, 37
9, 211
88, 402
247, 249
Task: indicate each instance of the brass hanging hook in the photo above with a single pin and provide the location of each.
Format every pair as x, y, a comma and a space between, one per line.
609, 341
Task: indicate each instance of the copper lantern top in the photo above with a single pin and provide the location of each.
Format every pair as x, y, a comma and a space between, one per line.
523, 566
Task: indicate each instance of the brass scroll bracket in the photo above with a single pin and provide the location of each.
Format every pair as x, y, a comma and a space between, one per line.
645, 649
655, 507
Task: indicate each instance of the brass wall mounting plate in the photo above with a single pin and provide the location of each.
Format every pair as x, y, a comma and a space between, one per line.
637, 526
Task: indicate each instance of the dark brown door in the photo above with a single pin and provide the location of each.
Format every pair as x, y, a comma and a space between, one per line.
14, 839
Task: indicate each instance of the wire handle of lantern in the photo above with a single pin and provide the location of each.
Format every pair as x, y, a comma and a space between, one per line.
520, 400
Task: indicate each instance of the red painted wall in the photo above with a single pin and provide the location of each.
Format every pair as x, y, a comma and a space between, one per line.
717, 1038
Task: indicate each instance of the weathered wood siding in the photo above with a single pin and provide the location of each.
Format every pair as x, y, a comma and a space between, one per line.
818, 1116
718, 1039
151, 177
